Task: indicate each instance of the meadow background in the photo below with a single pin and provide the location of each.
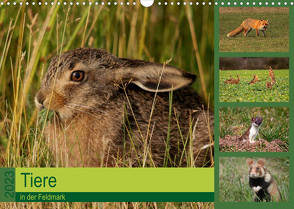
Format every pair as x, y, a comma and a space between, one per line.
234, 183
31, 35
246, 67
277, 34
243, 92
235, 121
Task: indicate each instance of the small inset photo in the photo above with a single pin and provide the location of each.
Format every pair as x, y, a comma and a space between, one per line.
253, 29
254, 79
244, 179
254, 129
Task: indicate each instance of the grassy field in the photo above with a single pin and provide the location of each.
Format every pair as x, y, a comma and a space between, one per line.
101, 205
235, 121
277, 34
233, 178
31, 35
243, 92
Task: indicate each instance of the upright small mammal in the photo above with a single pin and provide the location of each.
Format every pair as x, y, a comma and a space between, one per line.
248, 25
252, 131
233, 81
261, 182
103, 106
272, 76
254, 80
269, 84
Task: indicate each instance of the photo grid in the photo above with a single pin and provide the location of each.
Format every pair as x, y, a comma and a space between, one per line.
254, 109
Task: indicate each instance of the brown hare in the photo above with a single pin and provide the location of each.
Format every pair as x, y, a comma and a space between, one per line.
229, 80
113, 111
233, 81
272, 76
254, 80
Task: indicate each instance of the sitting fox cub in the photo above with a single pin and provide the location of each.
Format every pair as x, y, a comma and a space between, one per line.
248, 25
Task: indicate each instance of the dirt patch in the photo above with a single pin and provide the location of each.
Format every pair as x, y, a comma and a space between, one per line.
252, 9
233, 144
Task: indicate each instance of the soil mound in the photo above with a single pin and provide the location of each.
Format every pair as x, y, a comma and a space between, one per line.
233, 144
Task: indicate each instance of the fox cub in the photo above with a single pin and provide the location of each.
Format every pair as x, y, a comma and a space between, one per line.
248, 25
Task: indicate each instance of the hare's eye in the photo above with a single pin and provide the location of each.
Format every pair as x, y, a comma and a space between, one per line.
77, 76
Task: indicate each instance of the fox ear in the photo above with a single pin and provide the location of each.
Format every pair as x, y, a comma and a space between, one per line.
151, 76
268, 21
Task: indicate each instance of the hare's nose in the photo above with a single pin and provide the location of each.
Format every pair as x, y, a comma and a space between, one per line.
39, 100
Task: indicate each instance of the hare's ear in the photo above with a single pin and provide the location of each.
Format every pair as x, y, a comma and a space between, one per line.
153, 77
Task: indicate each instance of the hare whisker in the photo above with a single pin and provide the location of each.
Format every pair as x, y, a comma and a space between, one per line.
74, 106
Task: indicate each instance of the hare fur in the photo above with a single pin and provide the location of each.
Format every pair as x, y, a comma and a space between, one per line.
108, 118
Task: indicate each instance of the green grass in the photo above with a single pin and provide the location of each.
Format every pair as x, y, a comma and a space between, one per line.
235, 121
233, 178
277, 34
243, 92
113, 205
31, 35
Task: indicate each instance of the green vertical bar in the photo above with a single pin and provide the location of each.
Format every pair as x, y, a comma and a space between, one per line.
7, 184
216, 100
291, 100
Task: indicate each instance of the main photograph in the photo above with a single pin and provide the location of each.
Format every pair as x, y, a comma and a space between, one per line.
106, 86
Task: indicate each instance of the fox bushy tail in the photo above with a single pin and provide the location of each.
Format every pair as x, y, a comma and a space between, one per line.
236, 31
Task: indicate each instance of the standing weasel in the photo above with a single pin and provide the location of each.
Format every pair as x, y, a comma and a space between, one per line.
252, 131
261, 182
254, 80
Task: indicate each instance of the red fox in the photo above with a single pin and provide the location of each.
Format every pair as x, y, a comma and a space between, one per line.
248, 25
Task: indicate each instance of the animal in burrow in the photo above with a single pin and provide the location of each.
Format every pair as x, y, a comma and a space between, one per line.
252, 131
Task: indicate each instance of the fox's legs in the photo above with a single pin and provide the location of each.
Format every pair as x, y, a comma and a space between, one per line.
246, 31
263, 33
257, 32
